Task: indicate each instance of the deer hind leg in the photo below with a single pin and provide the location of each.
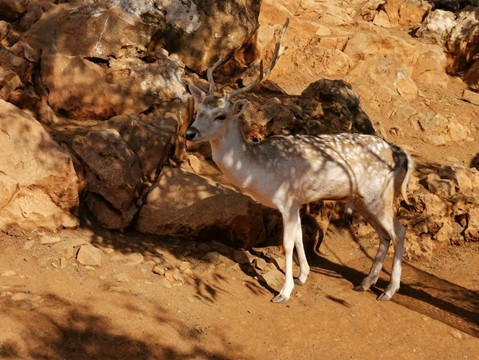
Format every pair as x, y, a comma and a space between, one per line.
381, 217
292, 236
398, 242
377, 266
303, 262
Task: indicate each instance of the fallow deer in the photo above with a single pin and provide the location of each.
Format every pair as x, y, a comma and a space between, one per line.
285, 172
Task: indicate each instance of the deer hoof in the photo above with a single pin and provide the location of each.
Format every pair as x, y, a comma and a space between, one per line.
280, 298
358, 288
384, 297
298, 281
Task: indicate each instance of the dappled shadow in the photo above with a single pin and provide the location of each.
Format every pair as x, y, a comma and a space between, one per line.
213, 39
167, 251
60, 329
205, 277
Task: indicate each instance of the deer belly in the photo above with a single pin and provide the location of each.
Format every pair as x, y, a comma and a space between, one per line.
333, 184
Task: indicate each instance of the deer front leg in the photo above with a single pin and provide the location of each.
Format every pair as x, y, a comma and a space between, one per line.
291, 232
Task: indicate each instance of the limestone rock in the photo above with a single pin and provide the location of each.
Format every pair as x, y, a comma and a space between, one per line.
11, 10
148, 137
413, 12
41, 193
471, 78
463, 42
81, 88
437, 26
120, 154
89, 255
405, 86
104, 70
113, 176
340, 107
406, 13
188, 24
374, 59
273, 278
472, 230
185, 204
107, 27
180, 27
471, 96
439, 130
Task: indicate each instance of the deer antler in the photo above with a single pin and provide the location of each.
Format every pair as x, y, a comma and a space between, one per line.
209, 76
252, 84
262, 73
278, 51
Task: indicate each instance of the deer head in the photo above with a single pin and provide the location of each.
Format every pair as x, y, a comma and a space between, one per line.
214, 113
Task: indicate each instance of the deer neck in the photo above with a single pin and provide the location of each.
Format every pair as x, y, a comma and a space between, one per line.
233, 154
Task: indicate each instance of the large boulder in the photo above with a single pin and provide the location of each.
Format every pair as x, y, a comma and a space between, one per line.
459, 35
38, 181
105, 27
81, 89
112, 173
149, 139
186, 204
119, 157
199, 31
463, 42
341, 109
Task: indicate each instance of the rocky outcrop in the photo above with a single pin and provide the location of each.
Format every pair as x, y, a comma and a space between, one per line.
444, 209
119, 63
104, 70
121, 69
114, 95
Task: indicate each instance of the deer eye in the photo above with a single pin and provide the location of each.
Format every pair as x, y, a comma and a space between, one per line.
221, 117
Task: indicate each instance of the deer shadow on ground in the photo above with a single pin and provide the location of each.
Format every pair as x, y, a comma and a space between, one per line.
420, 291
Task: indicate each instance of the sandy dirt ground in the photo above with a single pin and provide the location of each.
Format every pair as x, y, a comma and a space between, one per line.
216, 306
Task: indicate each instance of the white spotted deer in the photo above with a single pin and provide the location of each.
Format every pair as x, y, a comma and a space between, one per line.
285, 172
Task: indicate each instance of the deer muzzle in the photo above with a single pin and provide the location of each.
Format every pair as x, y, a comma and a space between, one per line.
192, 133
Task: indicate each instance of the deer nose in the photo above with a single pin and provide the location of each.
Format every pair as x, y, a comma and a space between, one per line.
191, 133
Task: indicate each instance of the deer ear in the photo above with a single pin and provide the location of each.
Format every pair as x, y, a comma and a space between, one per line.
239, 107
198, 94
